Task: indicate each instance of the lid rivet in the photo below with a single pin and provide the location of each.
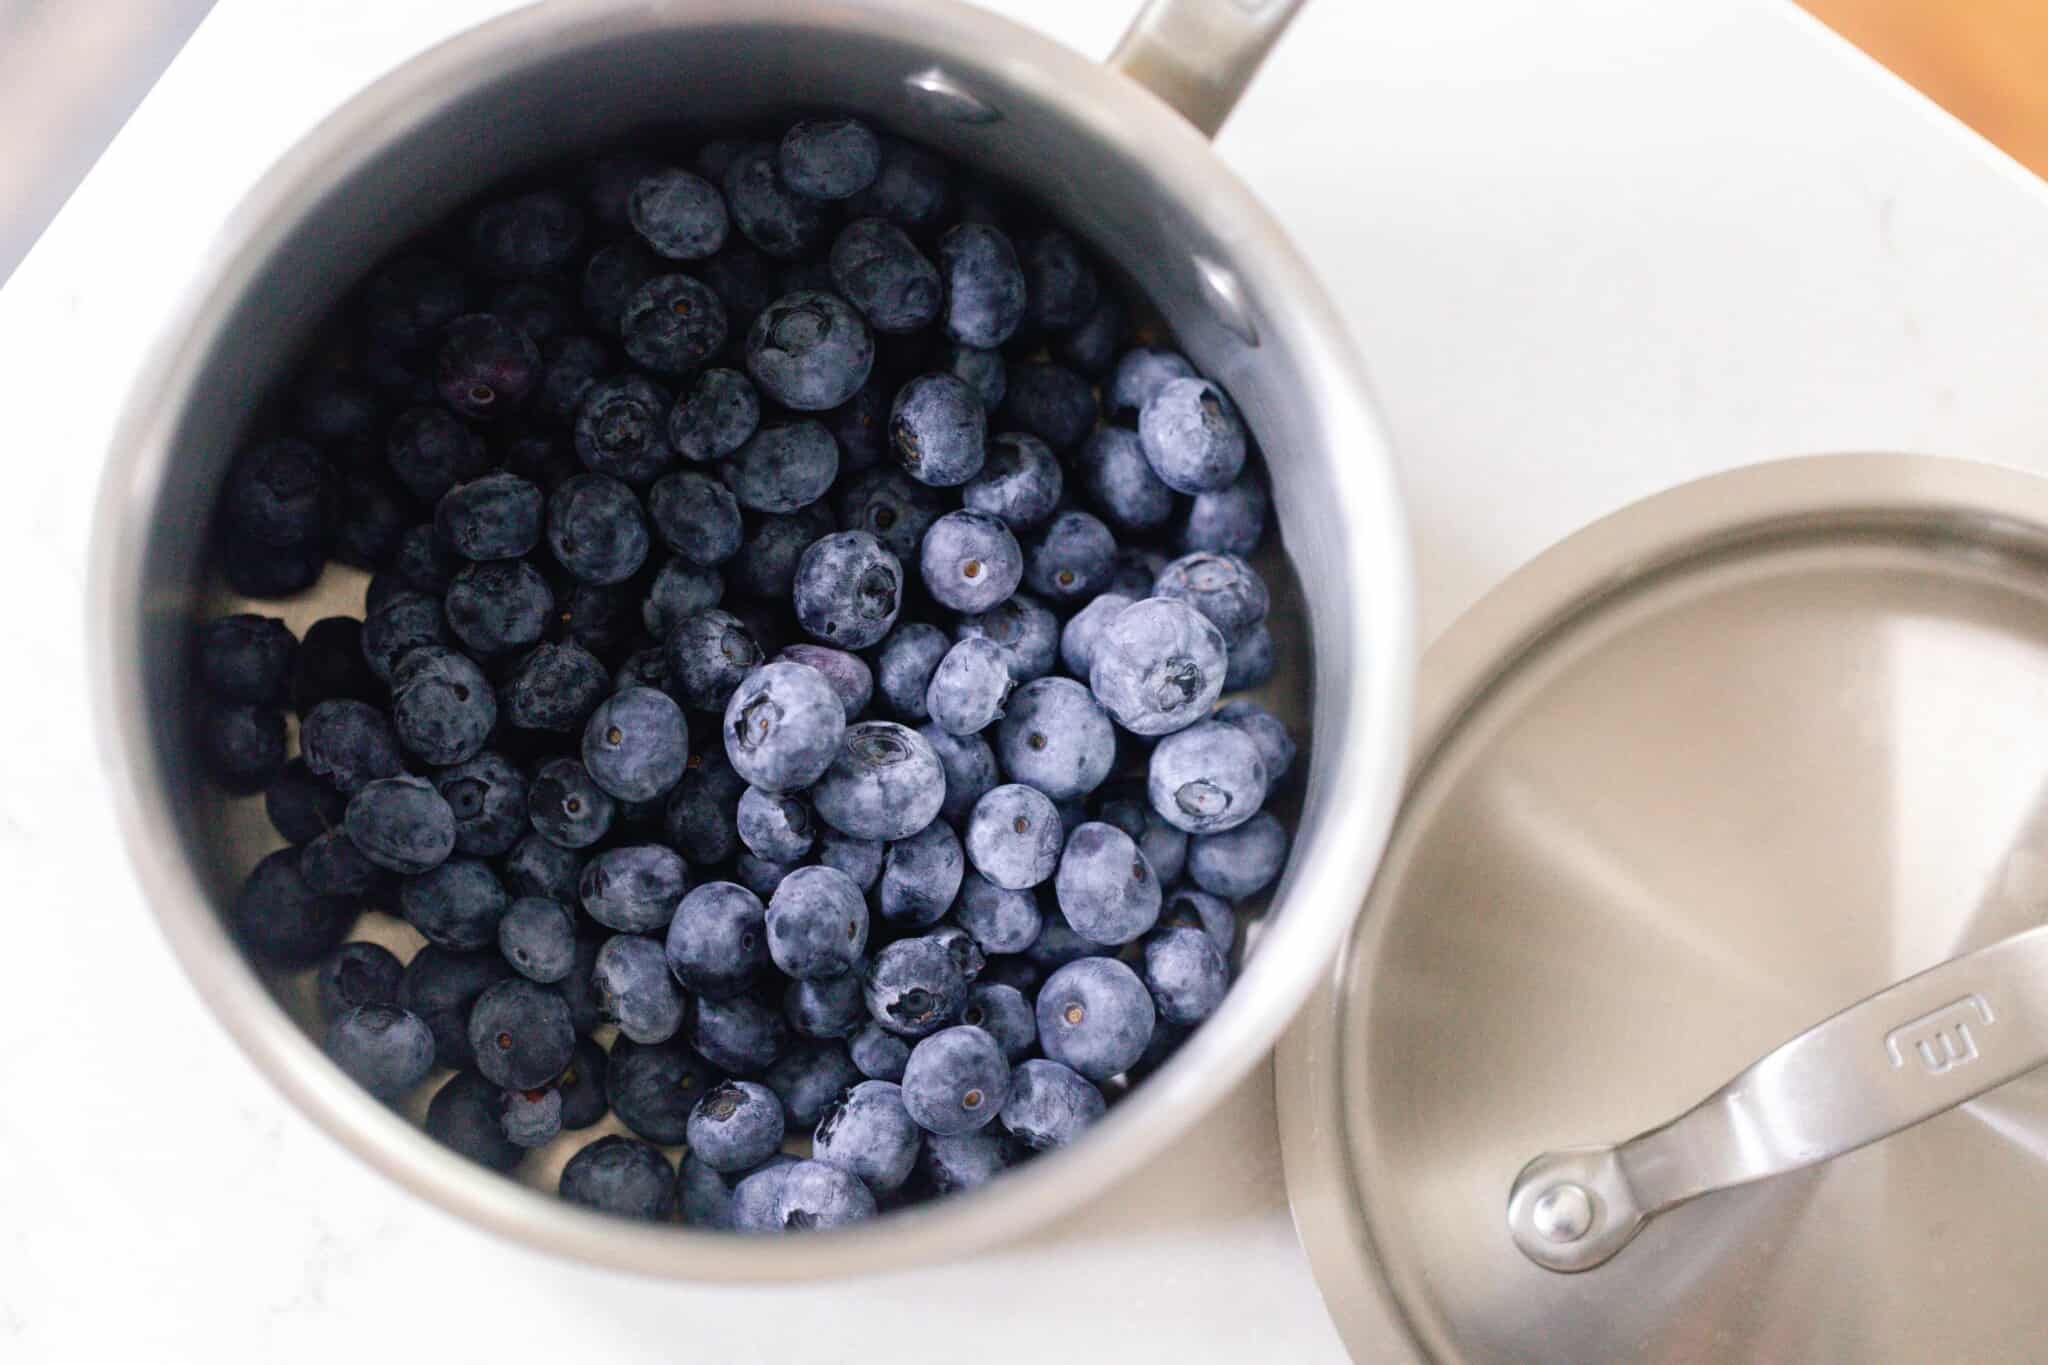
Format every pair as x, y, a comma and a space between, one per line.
1562, 1213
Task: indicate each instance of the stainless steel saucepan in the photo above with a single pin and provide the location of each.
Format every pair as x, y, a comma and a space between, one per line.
1120, 152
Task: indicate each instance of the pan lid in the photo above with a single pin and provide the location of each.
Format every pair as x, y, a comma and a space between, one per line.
1692, 1011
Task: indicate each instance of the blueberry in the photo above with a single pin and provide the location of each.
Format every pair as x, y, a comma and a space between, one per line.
679, 590
885, 782
869, 1133
860, 426
521, 1034
532, 1118
783, 727
704, 1197
609, 182
956, 1081
783, 466
714, 417
569, 365
1230, 520
401, 824
431, 451
892, 507
717, 942
441, 987
775, 827
914, 988
1207, 778
245, 658
455, 905
699, 820
847, 589
1238, 862
611, 276
1193, 436
1186, 973
965, 1161
851, 678
831, 158
358, 974
280, 494
330, 665
1140, 374
242, 746
969, 687
1059, 281
1095, 1016
766, 566
1118, 481
1027, 632
1049, 401
653, 1087
1164, 846
1071, 560
1107, 890
938, 430
526, 235
999, 919
402, 622
467, 1115
422, 562
1013, 839
814, 1195
920, 877
441, 705
582, 1086
827, 1007
300, 805
755, 1196
760, 875
488, 797
635, 990
1083, 631
495, 517
970, 561
708, 655
485, 367
333, 866
498, 607
538, 937
969, 766
623, 1177
635, 744
809, 350
883, 274
1056, 738
566, 806
621, 429
1050, 1104
1090, 346
807, 1078
910, 188
1276, 746
817, 923
555, 687
696, 517
736, 1126
1188, 908
1159, 666
1251, 660
596, 529
904, 667
672, 324
985, 289
634, 889
682, 216
1223, 587
879, 1054
740, 1035
982, 371
281, 920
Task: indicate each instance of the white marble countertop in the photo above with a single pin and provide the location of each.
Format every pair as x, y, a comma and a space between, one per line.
1590, 249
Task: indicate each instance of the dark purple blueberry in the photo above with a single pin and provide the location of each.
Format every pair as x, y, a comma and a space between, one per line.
920, 877
680, 215
1240, 862
621, 429
910, 189
1055, 737
817, 923
569, 366
829, 158
1026, 630
736, 1126
635, 990
847, 590
783, 467
431, 451
596, 529
914, 988
401, 824
673, 324
554, 687
467, 1115
245, 658
956, 1081
883, 274
980, 370
485, 367
715, 415
357, 974
938, 430
442, 706
613, 275
985, 290
717, 942
1059, 280
880, 1054
300, 805
498, 607
1229, 520
1090, 346
281, 921
779, 221
1050, 1104
1158, 667
538, 938
740, 1035
333, 866
1118, 481
566, 807
653, 1087
1004, 1014
890, 506
455, 905
1051, 402
1020, 481
1071, 560
280, 494
809, 350
885, 782
623, 1177
1186, 973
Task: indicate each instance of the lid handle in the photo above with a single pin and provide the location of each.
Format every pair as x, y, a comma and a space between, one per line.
1898, 1058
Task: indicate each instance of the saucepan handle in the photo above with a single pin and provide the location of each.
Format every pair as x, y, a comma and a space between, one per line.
1914, 1050
1198, 55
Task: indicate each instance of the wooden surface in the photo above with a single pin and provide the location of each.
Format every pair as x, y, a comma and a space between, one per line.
1985, 61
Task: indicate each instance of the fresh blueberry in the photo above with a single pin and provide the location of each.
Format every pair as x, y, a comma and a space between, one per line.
766, 566
485, 367
1056, 738
969, 687
635, 744
736, 1126
985, 289
634, 889
697, 517
672, 324
555, 687
1095, 1016
300, 805
961, 947
623, 1177
533, 1118
680, 590
582, 1086
333, 866
704, 1197
851, 678
401, 824
441, 705
1193, 436
498, 607
242, 746
1028, 633
1090, 346
1050, 1104
1230, 520
1223, 587
699, 820
808, 1077
717, 942
1020, 482
1013, 839
635, 990
382, 1048
1186, 973
814, 1195
965, 1161
1118, 481
998, 919
938, 429
1049, 401
970, 561
401, 622
783, 466
431, 451
609, 182
783, 727
1071, 559
885, 782
809, 350
914, 988
920, 877
775, 826
829, 158
566, 806
868, 1133
817, 923
1083, 631
883, 274
455, 905
716, 414
1188, 908
569, 365
1140, 374
488, 796
756, 1195
910, 189
1240, 862
330, 665
442, 988
467, 1115
245, 658
1164, 846
956, 1081
280, 494
848, 589
984, 372
359, 974
526, 235
1267, 731
1059, 281
621, 429
1251, 660
904, 666
521, 1034
596, 529
739, 1035
827, 1007
538, 937
1106, 889
1207, 778
708, 655
969, 766
1005, 1015
495, 517
682, 216
653, 1087
611, 276
892, 507
879, 1054
1158, 667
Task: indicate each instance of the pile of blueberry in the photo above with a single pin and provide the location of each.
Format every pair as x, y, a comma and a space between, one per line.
796, 623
